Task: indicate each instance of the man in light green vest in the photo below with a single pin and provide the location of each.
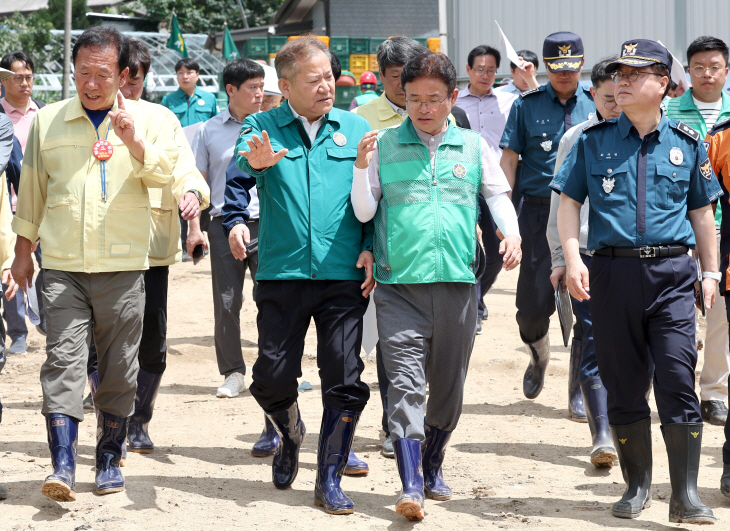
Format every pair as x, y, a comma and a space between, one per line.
701, 107
420, 181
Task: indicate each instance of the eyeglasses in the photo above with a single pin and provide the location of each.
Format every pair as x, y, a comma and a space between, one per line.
699, 70
631, 76
482, 72
430, 104
610, 104
19, 79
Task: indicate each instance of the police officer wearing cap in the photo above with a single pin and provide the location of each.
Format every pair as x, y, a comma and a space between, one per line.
537, 121
651, 186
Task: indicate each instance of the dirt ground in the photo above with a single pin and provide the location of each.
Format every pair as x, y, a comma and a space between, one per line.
513, 463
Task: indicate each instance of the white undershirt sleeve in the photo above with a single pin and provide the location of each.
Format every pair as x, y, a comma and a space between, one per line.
504, 215
366, 191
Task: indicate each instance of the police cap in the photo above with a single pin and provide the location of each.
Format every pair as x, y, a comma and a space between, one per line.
641, 52
563, 51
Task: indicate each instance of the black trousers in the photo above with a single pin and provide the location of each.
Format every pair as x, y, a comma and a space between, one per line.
535, 295
153, 347
726, 445
643, 312
285, 309
491, 248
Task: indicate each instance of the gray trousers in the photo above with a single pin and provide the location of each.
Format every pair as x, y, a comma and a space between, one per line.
426, 337
228, 276
111, 305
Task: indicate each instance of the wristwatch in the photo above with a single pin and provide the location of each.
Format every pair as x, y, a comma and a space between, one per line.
198, 195
713, 276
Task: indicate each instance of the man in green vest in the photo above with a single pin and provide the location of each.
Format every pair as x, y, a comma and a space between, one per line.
421, 182
368, 82
701, 107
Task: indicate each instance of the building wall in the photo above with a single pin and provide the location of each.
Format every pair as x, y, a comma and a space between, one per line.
602, 26
384, 18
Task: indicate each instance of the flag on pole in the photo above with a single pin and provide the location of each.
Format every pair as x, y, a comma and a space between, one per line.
230, 52
176, 42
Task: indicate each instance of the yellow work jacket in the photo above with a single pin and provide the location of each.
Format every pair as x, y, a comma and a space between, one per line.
60, 198
7, 236
379, 113
165, 244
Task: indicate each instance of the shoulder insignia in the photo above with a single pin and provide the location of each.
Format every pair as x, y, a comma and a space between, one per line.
531, 91
597, 124
687, 130
720, 126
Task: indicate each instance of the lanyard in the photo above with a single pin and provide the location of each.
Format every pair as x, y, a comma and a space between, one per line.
102, 150
103, 162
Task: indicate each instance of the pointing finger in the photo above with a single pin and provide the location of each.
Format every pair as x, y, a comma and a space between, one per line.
120, 100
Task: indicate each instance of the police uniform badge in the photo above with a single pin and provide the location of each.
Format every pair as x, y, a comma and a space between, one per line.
676, 156
339, 139
459, 170
547, 145
706, 169
608, 184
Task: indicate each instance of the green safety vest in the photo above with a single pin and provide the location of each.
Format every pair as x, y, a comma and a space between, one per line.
425, 225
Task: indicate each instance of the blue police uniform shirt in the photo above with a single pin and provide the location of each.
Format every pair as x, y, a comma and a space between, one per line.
536, 123
640, 190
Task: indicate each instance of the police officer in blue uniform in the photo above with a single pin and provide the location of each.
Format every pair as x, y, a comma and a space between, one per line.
536, 123
650, 185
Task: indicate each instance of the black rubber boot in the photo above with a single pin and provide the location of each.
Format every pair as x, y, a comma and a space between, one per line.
433, 451
633, 442
603, 453
725, 480
111, 431
684, 443
290, 426
148, 385
268, 441
63, 443
335, 441
534, 378
575, 397
408, 458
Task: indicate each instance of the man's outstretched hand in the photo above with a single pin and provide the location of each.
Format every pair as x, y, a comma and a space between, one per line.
261, 154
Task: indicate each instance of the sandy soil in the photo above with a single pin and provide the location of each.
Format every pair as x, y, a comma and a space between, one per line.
513, 463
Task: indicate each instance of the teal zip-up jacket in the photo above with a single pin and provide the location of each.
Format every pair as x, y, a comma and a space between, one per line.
200, 107
685, 110
307, 227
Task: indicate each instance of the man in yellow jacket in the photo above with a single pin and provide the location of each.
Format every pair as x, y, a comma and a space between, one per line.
88, 164
190, 193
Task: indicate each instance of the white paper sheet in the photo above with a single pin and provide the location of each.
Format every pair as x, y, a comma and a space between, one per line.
31, 304
678, 74
370, 328
511, 53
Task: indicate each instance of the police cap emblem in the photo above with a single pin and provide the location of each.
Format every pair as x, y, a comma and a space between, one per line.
629, 49
459, 170
564, 50
706, 169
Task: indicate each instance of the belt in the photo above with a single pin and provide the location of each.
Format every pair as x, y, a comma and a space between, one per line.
536, 200
659, 251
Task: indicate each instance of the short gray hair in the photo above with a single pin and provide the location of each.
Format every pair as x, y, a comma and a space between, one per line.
397, 51
294, 52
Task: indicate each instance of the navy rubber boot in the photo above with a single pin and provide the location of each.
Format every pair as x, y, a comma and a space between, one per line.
408, 458
534, 377
575, 397
94, 385
291, 429
110, 434
267, 443
633, 442
603, 453
355, 466
335, 442
433, 451
63, 443
684, 443
148, 385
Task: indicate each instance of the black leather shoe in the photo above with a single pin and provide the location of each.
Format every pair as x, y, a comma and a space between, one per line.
714, 412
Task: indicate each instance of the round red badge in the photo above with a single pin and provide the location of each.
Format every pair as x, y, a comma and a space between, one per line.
103, 150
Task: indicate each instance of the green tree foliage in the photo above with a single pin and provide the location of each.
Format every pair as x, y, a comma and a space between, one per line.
206, 16
55, 11
32, 35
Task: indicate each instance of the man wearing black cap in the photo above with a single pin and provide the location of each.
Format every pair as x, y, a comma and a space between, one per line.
537, 121
651, 186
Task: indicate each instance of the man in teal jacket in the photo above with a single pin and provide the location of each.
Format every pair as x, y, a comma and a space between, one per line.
315, 261
190, 103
